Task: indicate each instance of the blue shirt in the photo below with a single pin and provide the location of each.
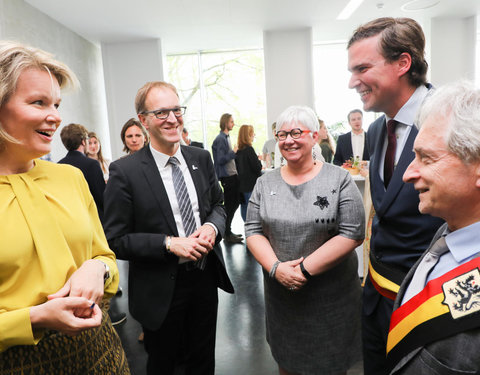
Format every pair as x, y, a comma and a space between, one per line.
463, 245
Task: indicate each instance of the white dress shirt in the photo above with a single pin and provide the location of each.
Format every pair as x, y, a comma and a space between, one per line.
405, 120
358, 142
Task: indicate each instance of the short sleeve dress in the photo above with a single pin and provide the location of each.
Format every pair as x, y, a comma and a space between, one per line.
315, 330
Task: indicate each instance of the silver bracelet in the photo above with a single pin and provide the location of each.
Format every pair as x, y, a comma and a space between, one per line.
274, 269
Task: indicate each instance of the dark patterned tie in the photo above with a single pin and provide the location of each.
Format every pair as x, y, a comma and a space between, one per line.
184, 204
389, 164
427, 264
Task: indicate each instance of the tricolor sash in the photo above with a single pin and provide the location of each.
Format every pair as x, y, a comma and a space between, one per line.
446, 306
385, 279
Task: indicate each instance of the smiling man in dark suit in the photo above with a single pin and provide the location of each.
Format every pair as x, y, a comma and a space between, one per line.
353, 143
387, 60
164, 213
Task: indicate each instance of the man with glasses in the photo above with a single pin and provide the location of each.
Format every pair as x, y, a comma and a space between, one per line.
164, 214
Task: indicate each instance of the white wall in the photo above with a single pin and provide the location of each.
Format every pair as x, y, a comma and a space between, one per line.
453, 46
87, 106
288, 70
127, 67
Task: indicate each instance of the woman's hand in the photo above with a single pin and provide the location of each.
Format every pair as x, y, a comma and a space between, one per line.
289, 274
85, 282
59, 314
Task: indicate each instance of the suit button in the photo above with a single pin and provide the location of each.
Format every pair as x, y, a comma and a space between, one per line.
172, 276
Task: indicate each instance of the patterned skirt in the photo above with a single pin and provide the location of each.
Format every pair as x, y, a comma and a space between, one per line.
96, 351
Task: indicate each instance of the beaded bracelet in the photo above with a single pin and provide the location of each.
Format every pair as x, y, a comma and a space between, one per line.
274, 269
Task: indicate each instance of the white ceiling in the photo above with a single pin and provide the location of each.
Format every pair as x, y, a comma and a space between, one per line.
190, 25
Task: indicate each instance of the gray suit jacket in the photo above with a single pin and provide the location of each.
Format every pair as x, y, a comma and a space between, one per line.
457, 354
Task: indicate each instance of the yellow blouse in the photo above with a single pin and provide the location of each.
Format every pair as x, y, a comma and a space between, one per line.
49, 227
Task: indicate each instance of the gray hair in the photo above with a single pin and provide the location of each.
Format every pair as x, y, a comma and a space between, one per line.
298, 114
459, 105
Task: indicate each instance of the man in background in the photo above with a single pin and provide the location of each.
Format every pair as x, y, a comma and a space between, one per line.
224, 162
386, 59
268, 150
74, 138
354, 143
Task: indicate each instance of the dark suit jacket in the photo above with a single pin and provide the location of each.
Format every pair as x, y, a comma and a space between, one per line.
451, 355
249, 168
400, 234
344, 149
138, 219
93, 174
196, 144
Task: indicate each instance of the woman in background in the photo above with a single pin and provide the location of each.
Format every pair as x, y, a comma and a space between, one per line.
94, 151
304, 221
249, 167
55, 263
325, 143
134, 136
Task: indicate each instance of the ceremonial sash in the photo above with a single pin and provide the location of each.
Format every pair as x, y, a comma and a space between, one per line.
448, 305
386, 280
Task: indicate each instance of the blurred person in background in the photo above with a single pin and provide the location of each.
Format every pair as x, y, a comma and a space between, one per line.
94, 151
133, 135
249, 167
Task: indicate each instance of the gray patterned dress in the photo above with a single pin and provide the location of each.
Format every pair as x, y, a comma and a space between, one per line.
315, 330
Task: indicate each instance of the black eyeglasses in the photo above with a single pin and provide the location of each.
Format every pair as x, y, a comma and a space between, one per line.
294, 133
162, 114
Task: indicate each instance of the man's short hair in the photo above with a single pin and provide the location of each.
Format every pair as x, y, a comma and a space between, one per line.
459, 105
397, 36
352, 112
145, 89
224, 121
72, 136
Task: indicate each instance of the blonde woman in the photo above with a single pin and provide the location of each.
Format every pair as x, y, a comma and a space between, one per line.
249, 167
55, 264
94, 151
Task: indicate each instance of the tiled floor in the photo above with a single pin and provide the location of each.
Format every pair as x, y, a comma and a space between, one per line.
241, 346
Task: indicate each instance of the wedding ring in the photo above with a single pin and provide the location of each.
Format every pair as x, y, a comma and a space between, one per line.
292, 288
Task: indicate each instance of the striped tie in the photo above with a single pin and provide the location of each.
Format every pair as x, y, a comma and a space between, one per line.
184, 204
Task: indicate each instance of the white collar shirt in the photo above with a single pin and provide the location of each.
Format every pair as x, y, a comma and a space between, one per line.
405, 120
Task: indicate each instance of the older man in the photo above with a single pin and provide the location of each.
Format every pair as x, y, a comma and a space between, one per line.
387, 62
435, 327
164, 214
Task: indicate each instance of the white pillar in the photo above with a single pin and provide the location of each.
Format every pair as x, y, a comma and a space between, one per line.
288, 70
453, 46
127, 67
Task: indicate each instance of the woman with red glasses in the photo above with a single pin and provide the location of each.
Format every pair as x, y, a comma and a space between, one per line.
304, 221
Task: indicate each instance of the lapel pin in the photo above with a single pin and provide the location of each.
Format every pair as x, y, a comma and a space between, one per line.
194, 167
273, 193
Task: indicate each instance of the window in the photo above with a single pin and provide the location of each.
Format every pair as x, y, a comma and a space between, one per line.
213, 83
333, 99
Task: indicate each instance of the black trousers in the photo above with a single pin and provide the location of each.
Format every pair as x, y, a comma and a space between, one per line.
375, 325
231, 198
189, 330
